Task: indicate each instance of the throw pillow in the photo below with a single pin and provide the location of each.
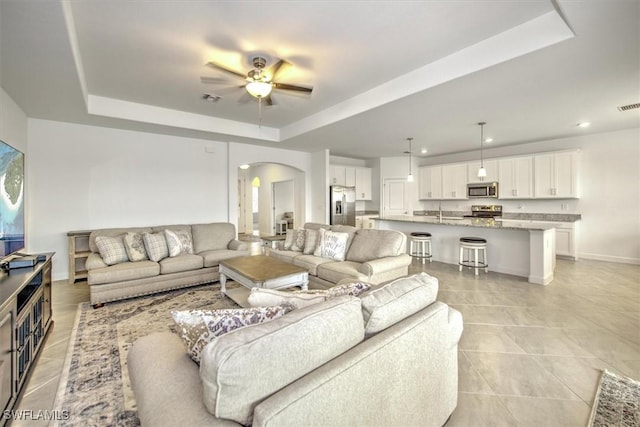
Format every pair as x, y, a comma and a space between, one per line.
134, 245
311, 238
332, 245
178, 242
112, 249
298, 240
197, 328
261, 297
353, 289
288, 240
156, 246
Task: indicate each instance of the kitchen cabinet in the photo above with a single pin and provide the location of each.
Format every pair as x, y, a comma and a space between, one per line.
363, 183
454, 181
556, 175
566, 240
515, 178
353, 176
430, 182
491, 166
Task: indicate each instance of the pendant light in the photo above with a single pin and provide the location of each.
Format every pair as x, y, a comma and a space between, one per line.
482, 172
410, 176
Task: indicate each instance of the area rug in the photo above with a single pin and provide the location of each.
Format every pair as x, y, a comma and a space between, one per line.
94, 387
617, 402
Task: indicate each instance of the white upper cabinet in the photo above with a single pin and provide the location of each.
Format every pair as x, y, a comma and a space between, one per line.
337, 175
363, 183
491, 166
515, 178
556, 175
352, 176
430, 182
454, 181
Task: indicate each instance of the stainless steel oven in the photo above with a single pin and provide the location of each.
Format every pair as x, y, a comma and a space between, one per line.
482, 189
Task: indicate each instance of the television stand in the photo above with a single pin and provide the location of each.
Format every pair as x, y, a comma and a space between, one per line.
25, 320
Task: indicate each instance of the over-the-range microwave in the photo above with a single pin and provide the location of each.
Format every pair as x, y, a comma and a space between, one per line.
478, 190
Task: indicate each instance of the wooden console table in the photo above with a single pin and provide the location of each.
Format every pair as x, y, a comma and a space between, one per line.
25, 319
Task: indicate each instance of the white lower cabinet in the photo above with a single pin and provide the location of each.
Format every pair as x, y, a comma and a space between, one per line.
566, 240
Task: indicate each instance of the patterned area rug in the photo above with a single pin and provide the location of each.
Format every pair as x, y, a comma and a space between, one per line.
617, 402
94, 387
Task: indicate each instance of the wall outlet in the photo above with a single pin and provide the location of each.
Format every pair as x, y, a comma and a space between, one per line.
520, 206
564, 206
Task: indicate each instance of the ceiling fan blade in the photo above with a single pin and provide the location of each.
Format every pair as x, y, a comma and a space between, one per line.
228, 70
269, 101
285, 86
212, 80
275, 68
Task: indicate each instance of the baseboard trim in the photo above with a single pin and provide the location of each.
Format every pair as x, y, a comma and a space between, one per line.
610, 258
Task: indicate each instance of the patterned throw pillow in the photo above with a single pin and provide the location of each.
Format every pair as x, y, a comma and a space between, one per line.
156, 246
197, 328
178, 242
298, 240
353, 289
112, 249
332, 245
288, 240
311, 239
134, 244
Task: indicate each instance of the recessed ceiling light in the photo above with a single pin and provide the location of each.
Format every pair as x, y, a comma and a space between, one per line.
583, 124
244, 166
423, 151
488, 140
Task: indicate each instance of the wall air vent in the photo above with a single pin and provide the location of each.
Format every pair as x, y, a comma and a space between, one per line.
629, 107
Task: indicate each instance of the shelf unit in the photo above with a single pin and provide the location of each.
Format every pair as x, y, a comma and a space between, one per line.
25, 319
78, 254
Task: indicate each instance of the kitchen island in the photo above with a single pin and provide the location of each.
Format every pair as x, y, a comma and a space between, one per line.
520, 248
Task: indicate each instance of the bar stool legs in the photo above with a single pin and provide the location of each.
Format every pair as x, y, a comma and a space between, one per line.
420, 246
477, 245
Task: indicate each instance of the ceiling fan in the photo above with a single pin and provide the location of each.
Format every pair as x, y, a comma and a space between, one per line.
260, 81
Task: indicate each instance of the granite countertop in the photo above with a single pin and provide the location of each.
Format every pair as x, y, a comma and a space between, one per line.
472, 222
523, 216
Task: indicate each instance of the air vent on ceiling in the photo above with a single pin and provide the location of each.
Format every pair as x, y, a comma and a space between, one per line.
629, 107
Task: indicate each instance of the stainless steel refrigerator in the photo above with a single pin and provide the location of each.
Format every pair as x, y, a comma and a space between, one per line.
342, 205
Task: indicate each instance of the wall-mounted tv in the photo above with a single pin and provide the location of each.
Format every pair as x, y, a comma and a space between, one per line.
11, 200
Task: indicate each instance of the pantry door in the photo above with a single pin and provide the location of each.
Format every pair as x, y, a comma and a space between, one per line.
396, 201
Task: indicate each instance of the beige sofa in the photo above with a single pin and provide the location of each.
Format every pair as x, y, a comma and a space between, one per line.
372, 256
385, 358
211, 243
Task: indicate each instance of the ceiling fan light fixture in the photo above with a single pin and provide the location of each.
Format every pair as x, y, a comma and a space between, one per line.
259, 89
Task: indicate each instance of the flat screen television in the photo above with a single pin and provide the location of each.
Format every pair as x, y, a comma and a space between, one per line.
11, 200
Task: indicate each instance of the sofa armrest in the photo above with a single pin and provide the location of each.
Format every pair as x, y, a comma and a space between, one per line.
94, 260
237, 245
384, 264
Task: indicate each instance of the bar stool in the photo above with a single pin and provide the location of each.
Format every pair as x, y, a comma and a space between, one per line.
475, 244
420, 245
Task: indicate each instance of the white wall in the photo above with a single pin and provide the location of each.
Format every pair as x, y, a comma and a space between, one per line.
319, 183
86, 177
609, 185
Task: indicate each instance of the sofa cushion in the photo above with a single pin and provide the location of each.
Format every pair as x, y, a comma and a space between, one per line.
335, 271
243, 367
182, 262
197, 328
282, 255
123, 271
263, 297
397, 300
156, 246
311, 239
212, 258
374, 244
213, 236
134, 244
310, 262
332, 245
112, 249
178, 242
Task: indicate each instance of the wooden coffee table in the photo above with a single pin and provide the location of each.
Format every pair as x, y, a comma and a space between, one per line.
262, 272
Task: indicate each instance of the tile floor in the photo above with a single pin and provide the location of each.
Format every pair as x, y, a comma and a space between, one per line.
530, 355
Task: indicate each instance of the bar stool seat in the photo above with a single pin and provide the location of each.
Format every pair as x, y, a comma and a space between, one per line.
477, 245
420, 245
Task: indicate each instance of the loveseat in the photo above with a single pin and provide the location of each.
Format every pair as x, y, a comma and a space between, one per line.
113, 275
372, 256
385, 358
